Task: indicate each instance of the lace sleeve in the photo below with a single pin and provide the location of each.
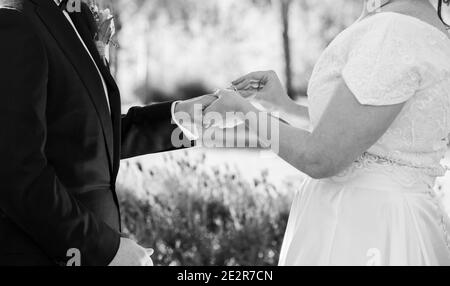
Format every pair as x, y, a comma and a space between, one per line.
383, 67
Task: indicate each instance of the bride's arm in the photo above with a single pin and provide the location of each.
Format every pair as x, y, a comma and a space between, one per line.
295, 110
295, 114
347, 129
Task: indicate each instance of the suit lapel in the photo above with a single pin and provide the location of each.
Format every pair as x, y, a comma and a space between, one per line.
83, 29
113, 91
69, 42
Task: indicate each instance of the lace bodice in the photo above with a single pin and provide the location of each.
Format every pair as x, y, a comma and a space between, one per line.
388, 59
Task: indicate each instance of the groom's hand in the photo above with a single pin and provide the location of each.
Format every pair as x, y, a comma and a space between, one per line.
132, 254
188, 115
194, 107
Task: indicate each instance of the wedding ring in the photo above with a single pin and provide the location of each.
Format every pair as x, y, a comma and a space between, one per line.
233, 88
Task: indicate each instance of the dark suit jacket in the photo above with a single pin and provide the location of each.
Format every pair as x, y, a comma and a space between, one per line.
60, 146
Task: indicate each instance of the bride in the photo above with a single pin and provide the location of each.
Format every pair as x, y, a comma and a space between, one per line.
379, 104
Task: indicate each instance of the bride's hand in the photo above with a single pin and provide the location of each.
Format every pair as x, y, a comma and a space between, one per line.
265, 87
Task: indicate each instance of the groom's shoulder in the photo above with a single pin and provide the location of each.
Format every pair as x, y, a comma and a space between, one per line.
16, 5
17, 20
17, 11
12, 4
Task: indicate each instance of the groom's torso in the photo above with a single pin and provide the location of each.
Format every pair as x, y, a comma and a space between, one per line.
83, 133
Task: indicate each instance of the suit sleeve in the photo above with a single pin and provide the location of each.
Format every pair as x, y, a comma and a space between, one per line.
150, 129
31, 195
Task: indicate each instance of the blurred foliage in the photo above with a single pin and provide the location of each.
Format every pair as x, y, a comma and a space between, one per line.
192, 214
164, 44
150, 94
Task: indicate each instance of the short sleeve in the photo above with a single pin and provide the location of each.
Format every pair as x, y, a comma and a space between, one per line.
383, 66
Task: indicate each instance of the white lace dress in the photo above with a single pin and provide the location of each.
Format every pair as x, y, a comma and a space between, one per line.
382, 210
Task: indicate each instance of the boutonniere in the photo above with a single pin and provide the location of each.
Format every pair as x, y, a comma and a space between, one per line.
103, 37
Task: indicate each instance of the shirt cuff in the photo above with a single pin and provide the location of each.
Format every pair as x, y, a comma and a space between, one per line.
188, 128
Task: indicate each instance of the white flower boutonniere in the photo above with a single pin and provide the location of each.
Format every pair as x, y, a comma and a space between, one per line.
105, 30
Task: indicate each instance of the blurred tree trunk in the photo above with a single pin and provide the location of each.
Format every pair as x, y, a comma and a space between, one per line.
285, 9
147, 62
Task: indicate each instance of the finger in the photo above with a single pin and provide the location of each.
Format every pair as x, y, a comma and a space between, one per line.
206, 101
232, 87
209, 98
226, 92
245, 84
239, 80
209, 122
250, 76
247, 93
259, 75
251, 85
214, 107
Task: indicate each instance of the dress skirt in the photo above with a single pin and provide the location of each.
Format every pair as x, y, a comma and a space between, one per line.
372, 217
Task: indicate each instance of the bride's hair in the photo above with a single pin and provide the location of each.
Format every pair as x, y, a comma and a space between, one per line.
439, 8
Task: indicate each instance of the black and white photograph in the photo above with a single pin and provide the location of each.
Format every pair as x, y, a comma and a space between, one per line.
239, 134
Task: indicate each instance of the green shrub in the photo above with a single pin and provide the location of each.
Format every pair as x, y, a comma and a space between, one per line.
192, 214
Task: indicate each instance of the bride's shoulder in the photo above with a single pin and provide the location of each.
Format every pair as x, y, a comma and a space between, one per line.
391, 34
396, 27
392, 56
369, 30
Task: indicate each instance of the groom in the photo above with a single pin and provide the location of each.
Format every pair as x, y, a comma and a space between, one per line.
62, 138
